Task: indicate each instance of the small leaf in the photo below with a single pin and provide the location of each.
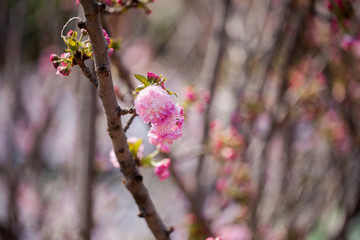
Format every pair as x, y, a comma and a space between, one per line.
142, 79
139, 88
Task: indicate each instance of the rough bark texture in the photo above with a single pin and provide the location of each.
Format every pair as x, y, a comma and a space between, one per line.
133, 179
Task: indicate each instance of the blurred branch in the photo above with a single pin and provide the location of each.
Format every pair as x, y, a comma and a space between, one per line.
211, 69
195, 208
87, 139
133, 180
6, 233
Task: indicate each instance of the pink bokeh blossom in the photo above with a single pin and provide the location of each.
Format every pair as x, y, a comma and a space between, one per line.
113, 159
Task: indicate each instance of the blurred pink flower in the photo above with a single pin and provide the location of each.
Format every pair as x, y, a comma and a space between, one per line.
161, 169
235, 232
228, 153
190, 94
221, 184
346, 42
113, 159
206, 95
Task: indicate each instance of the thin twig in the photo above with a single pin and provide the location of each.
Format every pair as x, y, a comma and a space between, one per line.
86, 71
128, 123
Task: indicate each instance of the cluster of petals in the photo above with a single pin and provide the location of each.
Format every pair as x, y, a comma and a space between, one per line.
162, 169
154, 105
211, 238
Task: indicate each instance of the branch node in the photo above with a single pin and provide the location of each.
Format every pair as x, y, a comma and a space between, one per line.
169, 230
81, 24
142, 213
99, 7
138, 178
103, 70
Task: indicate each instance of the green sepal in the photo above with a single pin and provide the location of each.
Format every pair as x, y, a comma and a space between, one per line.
134, 147
170, 93
147, 161
142, 79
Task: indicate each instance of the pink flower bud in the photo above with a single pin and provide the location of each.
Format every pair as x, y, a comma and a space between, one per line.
106, 36
161, 169
69, 34
55, 60
153, 77
110, 51
63, 71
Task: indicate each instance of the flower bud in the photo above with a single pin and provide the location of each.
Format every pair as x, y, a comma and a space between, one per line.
55, 60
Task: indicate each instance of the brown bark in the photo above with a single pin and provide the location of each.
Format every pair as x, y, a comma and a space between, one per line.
133, 179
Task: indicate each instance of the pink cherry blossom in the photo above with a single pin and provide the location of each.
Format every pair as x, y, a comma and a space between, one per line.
163, 134
161, 169
63, 71
153, 104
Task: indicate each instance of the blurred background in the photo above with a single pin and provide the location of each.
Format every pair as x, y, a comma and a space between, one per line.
271, 144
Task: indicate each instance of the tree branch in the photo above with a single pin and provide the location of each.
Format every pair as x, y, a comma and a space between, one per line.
133, 180
128, 123
86, 71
